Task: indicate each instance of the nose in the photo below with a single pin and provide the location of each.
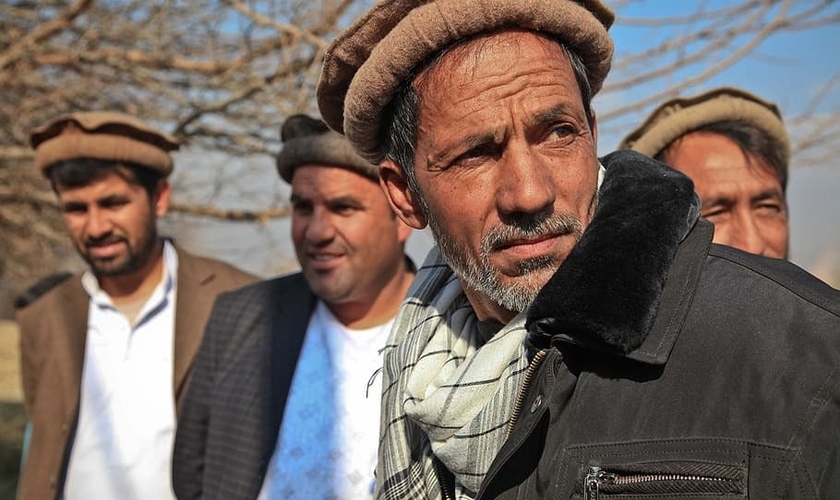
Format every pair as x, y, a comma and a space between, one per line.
98, 224
320, 228
746, 235
525, 184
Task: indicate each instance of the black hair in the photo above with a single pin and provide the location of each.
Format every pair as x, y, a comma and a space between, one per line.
752, 141
78, 172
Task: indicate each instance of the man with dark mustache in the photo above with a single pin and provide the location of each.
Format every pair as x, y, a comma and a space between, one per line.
105, 354
576, 333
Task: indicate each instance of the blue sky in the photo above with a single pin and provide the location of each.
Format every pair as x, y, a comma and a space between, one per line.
787, 68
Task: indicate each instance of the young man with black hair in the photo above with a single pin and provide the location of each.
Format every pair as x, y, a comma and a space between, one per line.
105, 355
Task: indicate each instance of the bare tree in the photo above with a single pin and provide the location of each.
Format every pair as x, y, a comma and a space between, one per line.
221, 75
683, 52
218, 74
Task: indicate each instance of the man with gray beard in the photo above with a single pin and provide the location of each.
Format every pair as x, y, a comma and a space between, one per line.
575, 334
479, 273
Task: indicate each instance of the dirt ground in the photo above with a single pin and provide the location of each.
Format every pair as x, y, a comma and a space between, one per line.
12, 415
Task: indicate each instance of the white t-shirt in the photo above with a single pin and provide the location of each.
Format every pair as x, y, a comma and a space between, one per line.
327, 444
123, 443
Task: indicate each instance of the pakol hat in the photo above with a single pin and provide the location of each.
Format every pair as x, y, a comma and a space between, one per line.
102, 135
679, 116
308, 141
365, 64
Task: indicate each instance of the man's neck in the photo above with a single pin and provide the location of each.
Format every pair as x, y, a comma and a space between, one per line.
485, 308
380, 308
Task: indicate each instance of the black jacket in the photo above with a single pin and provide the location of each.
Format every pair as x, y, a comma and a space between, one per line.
670, 367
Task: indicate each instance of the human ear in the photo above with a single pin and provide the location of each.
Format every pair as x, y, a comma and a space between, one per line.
403, 201
161, 197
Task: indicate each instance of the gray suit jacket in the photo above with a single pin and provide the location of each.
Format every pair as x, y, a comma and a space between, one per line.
236, 395
53, 333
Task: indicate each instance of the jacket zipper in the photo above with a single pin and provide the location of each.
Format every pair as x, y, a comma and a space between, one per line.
523, 391
447, 489
443, 477
597, 477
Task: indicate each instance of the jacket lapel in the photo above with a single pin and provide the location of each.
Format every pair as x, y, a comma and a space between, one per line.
289, 324
192, 308
288, 306
71, 335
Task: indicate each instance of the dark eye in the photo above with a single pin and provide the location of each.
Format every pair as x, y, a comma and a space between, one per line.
477, 155
344, 209
769, 208
301, 207
116, 203
714, 212
563, 133
73, 209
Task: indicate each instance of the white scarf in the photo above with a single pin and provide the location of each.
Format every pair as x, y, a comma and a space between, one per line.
445, 394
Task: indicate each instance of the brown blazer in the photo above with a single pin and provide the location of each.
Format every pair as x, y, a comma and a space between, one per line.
53, 330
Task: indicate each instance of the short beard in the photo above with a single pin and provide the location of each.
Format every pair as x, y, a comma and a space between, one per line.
485, 279
135, 257
105, 269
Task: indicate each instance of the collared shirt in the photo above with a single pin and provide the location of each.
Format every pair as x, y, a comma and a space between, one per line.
123, 442
327, 444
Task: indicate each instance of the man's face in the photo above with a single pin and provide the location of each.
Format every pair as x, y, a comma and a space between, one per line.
740, 194
506, 166
347, 239
113, 222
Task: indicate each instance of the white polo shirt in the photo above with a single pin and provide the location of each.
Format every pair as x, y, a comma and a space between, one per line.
123, 443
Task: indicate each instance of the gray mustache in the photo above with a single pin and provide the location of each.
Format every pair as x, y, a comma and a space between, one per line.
531, 227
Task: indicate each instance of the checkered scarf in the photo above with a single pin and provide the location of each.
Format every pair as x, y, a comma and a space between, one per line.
446, 393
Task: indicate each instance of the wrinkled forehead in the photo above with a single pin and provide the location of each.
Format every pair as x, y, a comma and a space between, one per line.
464, 59
527, 74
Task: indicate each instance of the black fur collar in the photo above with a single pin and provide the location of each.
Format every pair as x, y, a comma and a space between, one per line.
606, 293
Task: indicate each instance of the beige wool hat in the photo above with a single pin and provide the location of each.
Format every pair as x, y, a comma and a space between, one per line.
308, 141
679, 116
364, 66
103, 135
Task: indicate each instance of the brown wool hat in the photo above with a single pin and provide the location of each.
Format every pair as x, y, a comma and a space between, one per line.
103, 135
365, 64
308, 141
679, 116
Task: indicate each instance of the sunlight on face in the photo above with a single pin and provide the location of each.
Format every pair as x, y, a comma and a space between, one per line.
740, 194
348, 241
506, 164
